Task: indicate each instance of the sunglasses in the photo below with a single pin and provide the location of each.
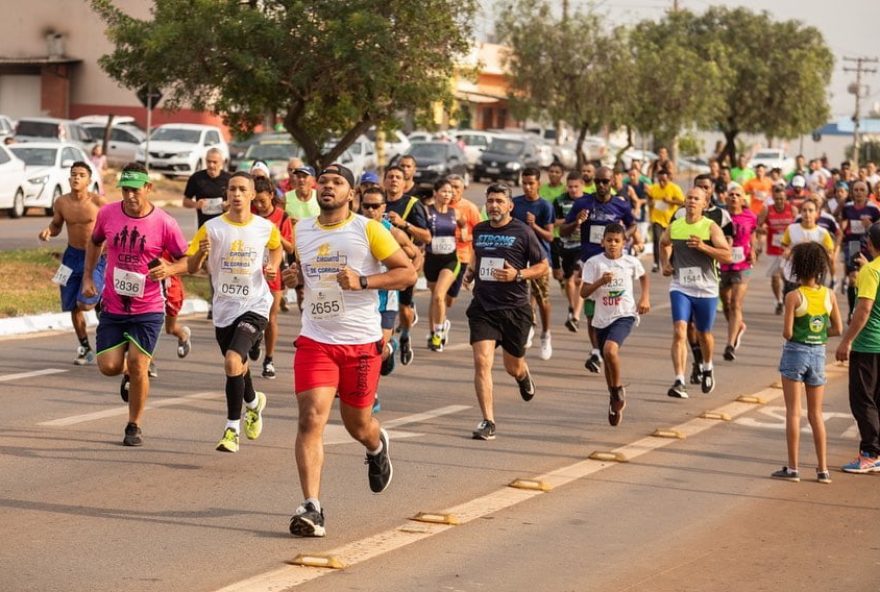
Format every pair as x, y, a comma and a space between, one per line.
372, 206
602, 181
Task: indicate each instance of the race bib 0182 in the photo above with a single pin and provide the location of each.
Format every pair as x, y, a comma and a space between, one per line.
488, 265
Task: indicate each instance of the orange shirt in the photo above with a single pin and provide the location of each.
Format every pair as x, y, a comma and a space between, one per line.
760, 190
467, 210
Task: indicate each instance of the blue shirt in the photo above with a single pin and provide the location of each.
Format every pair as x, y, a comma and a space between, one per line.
601, 215
542, 211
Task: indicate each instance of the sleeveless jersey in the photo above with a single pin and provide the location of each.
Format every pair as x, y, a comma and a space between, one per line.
812, 316
776, 224
695, 272
442, 227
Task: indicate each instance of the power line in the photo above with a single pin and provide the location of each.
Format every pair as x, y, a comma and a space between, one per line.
856, 89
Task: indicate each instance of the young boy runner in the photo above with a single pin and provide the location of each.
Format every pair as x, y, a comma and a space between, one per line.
264, 206
234, 244
608, 279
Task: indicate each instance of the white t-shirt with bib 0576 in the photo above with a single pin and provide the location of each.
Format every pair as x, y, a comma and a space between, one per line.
236, 265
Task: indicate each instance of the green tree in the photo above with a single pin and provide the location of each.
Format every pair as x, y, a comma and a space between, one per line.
560, 67
774, 75
332, 68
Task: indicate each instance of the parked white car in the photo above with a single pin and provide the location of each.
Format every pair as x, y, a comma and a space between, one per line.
475, 143
124, 141
13, 183
7, 126
396, 143
178, 149
45, 129
364, 150
48, 171
772, 158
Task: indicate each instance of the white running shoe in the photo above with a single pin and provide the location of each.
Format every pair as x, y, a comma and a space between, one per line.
546, 347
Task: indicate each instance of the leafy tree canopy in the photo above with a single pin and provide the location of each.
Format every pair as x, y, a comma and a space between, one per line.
331, 68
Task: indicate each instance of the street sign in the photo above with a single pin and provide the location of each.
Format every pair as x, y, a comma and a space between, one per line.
149, 97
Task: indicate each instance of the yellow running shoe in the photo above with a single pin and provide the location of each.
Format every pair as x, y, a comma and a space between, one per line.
229, 441
253, 418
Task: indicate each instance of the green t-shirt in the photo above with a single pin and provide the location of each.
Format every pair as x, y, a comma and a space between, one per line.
867, 284
741, 175
551, 192
298, 209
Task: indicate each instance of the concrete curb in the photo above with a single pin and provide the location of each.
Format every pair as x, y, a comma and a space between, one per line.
61, 321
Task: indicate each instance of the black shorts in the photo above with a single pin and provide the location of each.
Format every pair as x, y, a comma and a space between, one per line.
617, 331
434, 264
405, 297
507, 327
241, 335
570, 260
455, 288
555, 253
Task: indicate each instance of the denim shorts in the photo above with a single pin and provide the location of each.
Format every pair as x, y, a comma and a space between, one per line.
803, 363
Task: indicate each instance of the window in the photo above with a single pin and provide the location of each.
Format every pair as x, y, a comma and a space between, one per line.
69, 154
212, 139
118, 135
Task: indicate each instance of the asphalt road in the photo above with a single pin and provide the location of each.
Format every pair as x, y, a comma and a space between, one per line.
78, 512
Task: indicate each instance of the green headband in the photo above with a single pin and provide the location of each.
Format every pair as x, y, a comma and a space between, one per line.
133, 179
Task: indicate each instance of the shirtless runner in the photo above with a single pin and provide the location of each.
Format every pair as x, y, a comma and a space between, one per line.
78, 209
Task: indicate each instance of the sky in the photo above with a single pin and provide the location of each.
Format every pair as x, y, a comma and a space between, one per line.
850, 28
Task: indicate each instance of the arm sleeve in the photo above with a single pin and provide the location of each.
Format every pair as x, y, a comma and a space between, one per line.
589, 272
573, 212
190, 190
287, 229
827, 241
867, 283
201, 233
536, 251
418, 216
786, 239
382, 243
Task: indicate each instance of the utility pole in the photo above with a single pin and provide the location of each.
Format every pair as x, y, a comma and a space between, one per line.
856, 89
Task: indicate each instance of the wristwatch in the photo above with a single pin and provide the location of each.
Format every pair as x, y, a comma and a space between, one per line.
519, 275
363, 281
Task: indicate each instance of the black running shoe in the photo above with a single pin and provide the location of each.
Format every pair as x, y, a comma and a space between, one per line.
307, 521
379, 468
526, 387
133, 435
485, 430
572, 323
730, 353
678, 390
616, 405
406, 352
125, 387
707, 382
593, 363
696, 374
779, 308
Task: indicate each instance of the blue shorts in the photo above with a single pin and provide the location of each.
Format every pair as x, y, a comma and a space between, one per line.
700, 310
803, 363
141, 330
71, 293
389, 319
617, 331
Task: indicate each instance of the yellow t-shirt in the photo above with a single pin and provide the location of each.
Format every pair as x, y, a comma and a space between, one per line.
666, 201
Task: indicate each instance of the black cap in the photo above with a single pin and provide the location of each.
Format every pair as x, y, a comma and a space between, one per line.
338, 169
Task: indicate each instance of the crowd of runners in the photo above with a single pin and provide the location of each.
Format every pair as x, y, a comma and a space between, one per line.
352, 250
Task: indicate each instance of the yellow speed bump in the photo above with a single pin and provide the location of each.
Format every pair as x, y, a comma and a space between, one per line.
751, 399
530, 484
663, 433
776, 385
435, 518
313, 560
715, 415
608, 456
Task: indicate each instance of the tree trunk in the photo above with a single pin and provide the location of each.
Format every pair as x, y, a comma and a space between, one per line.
105, 143
730, 146
579, 146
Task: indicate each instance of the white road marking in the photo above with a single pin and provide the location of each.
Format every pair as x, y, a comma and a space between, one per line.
773, 418
356, 552
336, 433
123, 410
20, 375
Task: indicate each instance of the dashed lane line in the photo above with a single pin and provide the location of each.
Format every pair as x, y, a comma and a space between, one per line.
20, 375
291, 576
